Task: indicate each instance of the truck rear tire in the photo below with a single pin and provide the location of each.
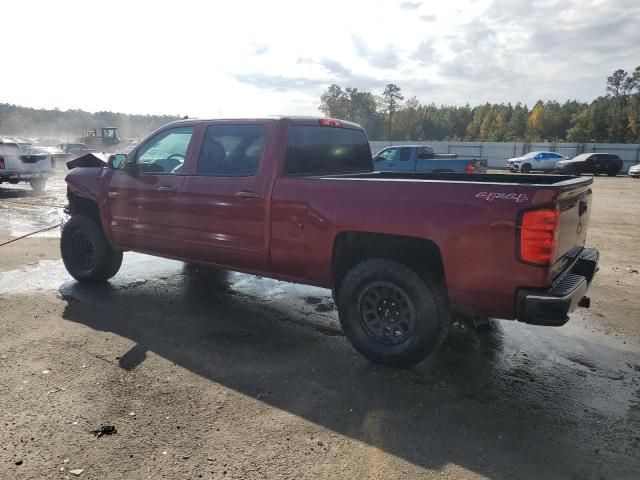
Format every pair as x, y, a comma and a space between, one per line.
390, 314
86, 253
38, 184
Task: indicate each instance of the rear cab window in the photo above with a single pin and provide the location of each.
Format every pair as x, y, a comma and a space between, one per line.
316, 150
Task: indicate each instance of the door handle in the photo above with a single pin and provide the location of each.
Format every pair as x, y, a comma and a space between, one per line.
166, 188
247, 195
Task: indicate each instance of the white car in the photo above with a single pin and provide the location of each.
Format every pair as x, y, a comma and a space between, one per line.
18, 166
634, 171
541, 161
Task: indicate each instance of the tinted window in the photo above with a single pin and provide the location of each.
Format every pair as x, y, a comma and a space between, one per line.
405, 154
314, 150
231, 150
555, 155
166, 152
425, 153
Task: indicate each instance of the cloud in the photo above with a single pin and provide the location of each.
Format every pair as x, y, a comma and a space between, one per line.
278, 82
425, 52
388, 57
410, 5
428, 18
335, 67
261, 50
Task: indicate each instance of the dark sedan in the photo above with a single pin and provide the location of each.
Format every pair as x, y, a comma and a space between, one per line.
595, 163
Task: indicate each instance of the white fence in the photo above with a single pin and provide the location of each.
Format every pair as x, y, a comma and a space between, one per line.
498, 152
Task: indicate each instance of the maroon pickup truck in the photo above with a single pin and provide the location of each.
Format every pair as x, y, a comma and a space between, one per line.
297, 199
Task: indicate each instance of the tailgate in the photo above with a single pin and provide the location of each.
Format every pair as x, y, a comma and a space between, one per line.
35, 163
575, 211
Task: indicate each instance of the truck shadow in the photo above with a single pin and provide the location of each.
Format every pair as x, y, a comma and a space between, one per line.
498, 405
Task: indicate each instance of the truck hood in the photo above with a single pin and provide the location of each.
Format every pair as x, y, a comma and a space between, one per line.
89, 160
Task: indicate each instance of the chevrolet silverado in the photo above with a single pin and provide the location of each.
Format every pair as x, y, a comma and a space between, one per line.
297, 199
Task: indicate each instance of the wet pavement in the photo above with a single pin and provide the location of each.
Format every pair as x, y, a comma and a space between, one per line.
23, 211
516, 402
557, 402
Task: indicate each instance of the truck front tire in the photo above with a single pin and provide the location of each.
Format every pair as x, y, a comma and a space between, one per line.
390, 314
86, 253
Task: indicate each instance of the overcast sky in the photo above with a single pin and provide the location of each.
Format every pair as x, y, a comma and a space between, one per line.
242, 58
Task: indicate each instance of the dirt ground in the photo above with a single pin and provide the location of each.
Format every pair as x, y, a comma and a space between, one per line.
223, 375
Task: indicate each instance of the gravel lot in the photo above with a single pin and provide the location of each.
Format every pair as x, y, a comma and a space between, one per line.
223, 375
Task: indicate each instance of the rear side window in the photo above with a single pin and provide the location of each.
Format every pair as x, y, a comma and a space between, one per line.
405, 154
318, 150
231, 150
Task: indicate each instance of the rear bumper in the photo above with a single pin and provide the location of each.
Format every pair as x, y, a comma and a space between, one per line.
22, 176
551, 307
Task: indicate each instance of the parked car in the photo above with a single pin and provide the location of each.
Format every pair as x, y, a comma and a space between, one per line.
535, 161
75, 149
57, 155
421, 158
634, 171
595, 163
297, 199
16, 165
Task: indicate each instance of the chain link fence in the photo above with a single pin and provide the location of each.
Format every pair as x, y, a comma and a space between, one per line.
497, 153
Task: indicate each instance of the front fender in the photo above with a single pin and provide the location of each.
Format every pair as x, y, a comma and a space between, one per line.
92, 183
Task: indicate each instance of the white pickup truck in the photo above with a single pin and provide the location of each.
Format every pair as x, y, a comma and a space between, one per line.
18, 166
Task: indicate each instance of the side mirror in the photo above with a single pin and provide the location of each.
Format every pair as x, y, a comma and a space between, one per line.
120, 161
117, 161
377, 159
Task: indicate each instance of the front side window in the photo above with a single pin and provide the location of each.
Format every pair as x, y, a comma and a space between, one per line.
231, 150
166, 152
387, 155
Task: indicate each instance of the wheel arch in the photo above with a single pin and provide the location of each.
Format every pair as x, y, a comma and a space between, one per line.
420, 254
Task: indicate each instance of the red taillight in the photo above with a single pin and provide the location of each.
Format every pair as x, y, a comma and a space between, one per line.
1, 163
539, 236
470, 167
330, 122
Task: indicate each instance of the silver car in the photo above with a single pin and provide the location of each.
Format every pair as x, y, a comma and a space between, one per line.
634, 171
544, 161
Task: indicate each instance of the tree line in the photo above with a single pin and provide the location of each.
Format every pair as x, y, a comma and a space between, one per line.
19, 121
611, 118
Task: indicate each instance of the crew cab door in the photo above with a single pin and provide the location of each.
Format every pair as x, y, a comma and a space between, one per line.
406, 160
144, 198
224, 198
